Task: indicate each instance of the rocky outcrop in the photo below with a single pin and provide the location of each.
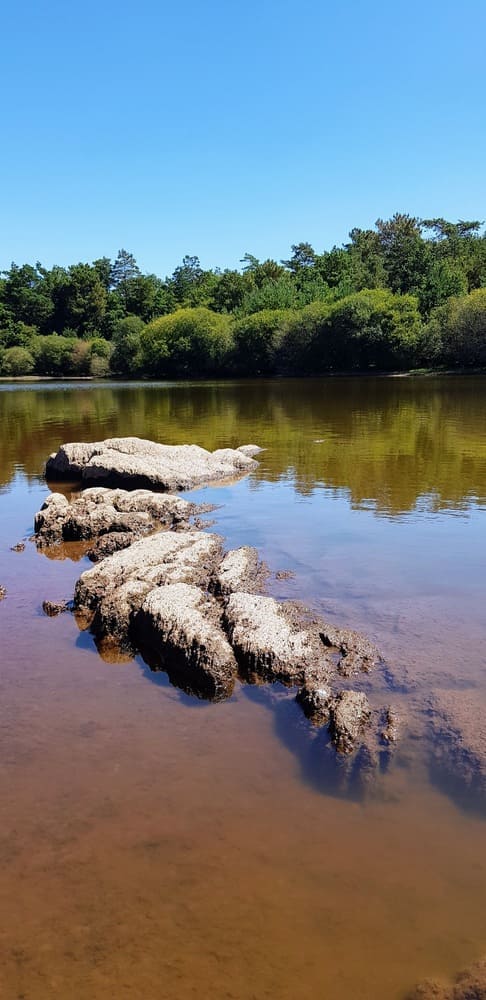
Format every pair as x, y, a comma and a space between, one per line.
469, 985
108, 596
457, 721
271, 641
163, 587
181, 627
135, 462
350, 713
98, 512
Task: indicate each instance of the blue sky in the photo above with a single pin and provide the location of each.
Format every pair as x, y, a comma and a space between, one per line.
219, 128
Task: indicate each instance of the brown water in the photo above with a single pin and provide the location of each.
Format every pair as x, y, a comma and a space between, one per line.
153, 846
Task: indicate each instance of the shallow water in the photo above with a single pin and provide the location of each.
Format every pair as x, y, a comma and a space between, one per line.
155, 846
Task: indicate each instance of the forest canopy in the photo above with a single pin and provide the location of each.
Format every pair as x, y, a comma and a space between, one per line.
408, 293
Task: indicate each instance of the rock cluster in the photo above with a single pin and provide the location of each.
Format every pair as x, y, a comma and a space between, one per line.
469, 985
134, 462
163, 587
110, 518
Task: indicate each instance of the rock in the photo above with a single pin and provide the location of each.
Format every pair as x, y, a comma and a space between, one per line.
53, 608
431, 990
250, 450
349, 714
106, 545
19, 547
110, 594
357, 653
3, 593
98, 512
182, 627
469, 985
284, 574
314, 701
458, 729
241, 570
271, 641
136, 462
389, 733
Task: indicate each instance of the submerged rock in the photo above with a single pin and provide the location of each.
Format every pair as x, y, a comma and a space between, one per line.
54, 608
349, 714
136, 462
19, 547
3, 593
315, 700
389, 733
181, 626
358, 654
458, 730
469, 985
271, 641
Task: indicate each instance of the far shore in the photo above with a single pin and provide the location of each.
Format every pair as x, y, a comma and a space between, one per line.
411, 373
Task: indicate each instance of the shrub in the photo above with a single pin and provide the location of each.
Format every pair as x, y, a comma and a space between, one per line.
17, 361
186, 343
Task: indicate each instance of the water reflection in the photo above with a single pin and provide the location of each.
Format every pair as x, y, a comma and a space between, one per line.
395, 445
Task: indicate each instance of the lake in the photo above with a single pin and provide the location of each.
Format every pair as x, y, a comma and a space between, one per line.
156, 846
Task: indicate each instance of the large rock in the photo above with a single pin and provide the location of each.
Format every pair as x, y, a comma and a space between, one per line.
98, 512
108, 596
135, 462
179, 628
272, 642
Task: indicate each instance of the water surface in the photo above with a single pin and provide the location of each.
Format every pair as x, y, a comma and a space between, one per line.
154, 846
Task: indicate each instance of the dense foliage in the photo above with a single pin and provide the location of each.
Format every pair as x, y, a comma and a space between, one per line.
407, 293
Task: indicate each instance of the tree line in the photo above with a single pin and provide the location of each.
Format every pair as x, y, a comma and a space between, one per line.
410, 292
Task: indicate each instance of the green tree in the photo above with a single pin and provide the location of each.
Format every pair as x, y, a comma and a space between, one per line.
126, 358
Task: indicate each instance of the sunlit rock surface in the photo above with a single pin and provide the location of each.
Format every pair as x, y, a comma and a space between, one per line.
136, 462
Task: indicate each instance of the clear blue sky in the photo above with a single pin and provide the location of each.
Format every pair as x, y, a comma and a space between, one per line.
218, 128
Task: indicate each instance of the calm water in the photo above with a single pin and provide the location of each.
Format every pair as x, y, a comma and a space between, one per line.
153, 847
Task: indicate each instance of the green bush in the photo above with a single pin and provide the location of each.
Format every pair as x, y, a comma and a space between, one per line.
257, 340
458, 330
53, 354
17, 361
125, 359
189, 342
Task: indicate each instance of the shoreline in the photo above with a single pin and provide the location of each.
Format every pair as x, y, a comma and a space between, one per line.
411, 373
